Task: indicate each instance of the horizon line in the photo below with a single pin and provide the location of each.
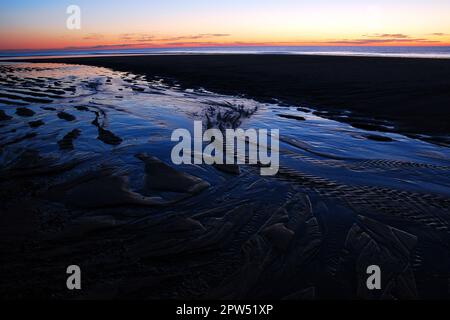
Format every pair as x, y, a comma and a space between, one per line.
249, 45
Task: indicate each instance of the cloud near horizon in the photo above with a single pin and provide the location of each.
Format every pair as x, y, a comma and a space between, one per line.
388, 35
93, 36
370, 39
144, 37
148, 40
380, 41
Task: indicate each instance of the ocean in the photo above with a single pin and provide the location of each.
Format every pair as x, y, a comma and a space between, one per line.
442, 52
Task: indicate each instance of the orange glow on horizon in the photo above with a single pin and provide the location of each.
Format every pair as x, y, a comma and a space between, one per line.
40, 42
41, 25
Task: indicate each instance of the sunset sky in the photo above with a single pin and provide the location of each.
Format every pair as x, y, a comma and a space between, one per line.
41, 24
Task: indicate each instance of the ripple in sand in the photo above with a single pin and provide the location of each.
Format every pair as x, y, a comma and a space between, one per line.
48, 108
102, 188
25, 112
301, 109
24, 98
379, 138
66, 143
290, 116
66, 116
259, 236
108, 137
36, 124
369, 126
13, 102
161, 176
4, 116
20, 139
82, 108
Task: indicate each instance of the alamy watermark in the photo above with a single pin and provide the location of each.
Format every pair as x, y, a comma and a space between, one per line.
237, 146
73, 21
374, 280
73, 282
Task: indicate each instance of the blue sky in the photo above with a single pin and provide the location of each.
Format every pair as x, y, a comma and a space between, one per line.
41, 23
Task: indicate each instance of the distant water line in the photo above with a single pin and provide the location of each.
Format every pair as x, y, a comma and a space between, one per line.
436, 52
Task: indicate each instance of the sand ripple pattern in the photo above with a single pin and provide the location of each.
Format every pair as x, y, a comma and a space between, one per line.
86, 176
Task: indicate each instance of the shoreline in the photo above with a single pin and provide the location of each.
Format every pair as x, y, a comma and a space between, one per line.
410, 94
197, 53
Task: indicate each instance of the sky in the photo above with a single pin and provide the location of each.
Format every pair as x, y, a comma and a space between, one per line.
41, 24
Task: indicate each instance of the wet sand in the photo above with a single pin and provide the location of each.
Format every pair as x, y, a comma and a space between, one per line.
412, 94
86, 178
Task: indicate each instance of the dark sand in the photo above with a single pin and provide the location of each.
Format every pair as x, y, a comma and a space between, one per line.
413, 94
87, 179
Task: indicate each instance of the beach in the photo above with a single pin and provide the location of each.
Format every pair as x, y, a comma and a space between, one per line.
208, 159
412, 94
87, 178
